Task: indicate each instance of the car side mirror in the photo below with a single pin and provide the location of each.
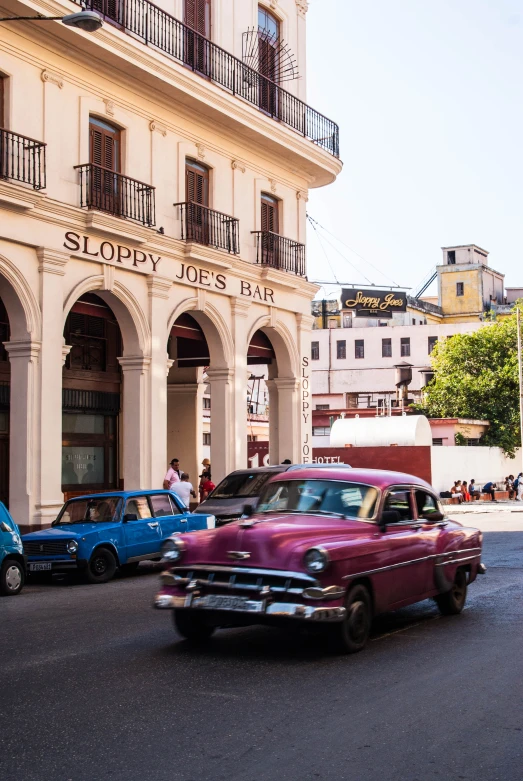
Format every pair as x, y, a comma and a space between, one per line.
387, 517
432, 517
130, 517
248, 510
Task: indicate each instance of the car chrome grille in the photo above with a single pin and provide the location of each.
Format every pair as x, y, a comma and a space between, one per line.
227, 579
47, 548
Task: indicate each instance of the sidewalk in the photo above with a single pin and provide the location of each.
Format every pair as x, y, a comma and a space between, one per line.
504, 505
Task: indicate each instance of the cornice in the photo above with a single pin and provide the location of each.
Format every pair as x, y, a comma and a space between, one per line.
19, 197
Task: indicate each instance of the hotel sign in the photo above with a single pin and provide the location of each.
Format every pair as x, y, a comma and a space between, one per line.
373, 303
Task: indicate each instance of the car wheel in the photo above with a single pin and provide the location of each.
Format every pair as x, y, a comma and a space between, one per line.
452, 602
129, 569
101, 567
351, 634
192, 626
11, 578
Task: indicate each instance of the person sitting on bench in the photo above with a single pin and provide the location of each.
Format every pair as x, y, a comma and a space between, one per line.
490, 489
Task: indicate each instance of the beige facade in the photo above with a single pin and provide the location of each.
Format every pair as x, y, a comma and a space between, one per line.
142, 260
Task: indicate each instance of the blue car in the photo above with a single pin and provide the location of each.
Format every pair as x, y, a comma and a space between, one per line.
12, 563
100, 533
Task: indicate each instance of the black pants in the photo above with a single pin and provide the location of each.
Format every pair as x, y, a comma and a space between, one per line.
492, 494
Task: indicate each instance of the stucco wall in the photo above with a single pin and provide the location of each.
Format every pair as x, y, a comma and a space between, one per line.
465, 463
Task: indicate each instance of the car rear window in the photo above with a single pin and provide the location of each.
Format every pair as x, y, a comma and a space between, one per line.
244, 484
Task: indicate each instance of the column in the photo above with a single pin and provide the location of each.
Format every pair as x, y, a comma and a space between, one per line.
23, 460
274, 446
288, 434
48, 440
239, 310
136, 446
185, 427
222, 429
158, 294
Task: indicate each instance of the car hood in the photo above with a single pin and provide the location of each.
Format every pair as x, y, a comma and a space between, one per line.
274, 541
69, 531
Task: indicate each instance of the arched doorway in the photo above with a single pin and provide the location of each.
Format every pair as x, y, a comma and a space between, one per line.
5, 382
261, 363
91, 398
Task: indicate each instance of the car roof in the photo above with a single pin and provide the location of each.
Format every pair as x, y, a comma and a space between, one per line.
380, 478
122, 494
278, 468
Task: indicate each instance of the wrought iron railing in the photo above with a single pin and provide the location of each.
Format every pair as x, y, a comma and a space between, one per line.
22, 159
156, 28
108, 191
279, 252
206, 226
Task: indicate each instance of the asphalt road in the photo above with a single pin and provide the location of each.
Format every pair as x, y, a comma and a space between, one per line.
95, 684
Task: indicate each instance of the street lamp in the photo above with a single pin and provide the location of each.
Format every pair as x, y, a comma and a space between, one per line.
88, 21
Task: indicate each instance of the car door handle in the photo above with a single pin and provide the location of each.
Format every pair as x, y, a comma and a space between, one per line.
153, 525
416, 526
183, 520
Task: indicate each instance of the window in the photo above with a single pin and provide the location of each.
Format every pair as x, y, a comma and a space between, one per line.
321, 431
207, 439
197, 15
438, 442
426, 504
196, 183
206, 402
433, 340
398, 501
105, 189
268, 60
460, 288
341, 349
162, 506
89, 443
451, 257
252, 437
138, 506
405, 347
323, 496
359, 348
104, 144
3, 85
386, 348
270, 214
323, 406
315, 351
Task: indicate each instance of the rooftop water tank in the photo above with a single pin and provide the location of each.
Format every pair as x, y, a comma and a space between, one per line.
381, 431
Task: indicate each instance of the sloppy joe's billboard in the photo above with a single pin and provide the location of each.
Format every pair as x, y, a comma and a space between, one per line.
373, 303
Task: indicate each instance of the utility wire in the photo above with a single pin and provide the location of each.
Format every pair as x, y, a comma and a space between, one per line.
345, 258
324, 252
315, 222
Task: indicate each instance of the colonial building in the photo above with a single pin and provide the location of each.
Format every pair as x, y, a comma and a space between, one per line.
153, 185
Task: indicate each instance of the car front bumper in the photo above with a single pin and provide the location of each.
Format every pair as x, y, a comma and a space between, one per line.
256, 609
57, 565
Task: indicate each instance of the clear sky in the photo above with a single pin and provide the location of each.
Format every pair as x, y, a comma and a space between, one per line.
428, 96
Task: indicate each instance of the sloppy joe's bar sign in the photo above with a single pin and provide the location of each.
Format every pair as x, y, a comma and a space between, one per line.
373, 303
119, 254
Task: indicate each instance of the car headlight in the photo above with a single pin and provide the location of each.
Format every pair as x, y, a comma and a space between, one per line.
72, 546
211, 522
173, 549
316, 560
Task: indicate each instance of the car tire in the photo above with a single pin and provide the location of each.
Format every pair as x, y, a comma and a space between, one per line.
452, 602
351, 635
192, 626
12, 578
129, 569
101, 567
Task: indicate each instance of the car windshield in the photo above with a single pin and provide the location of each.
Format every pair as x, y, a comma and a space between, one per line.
324, 497
90, 511
243, 484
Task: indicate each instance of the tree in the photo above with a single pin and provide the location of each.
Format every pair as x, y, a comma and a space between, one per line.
476, 376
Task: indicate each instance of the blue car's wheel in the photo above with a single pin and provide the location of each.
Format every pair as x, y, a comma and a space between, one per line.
11, 578
102, 566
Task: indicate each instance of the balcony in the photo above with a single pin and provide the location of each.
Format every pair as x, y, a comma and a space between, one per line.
280, 253
22, 159
159, 30
121, 196
208, 227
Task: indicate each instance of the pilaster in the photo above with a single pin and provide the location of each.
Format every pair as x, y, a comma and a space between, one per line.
222, 448
136, 446
158, 290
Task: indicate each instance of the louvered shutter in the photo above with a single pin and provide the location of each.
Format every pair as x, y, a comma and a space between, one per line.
104, 147
2, 100
198, 16
197, 185
269, 214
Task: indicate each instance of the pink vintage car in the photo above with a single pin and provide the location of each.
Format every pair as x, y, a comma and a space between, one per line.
331, 549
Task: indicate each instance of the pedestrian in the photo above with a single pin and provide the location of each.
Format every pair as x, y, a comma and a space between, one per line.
465, 491
184, 489
173, 474
207, 486
474, 490
509, 486
517, 482
206, 472
490, 489
520, 490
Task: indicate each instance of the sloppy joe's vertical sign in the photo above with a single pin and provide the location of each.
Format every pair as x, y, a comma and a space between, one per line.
305, 408
373, 303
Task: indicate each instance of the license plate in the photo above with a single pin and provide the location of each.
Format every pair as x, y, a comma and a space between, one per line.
39, 566
222, 602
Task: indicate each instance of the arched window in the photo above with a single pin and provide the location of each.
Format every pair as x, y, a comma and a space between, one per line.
3, 85
268, 41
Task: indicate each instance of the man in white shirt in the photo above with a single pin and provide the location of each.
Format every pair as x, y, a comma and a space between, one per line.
183, 488
173, 474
